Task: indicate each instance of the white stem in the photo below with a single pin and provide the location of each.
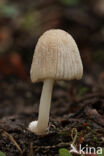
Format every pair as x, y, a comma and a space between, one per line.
44, 108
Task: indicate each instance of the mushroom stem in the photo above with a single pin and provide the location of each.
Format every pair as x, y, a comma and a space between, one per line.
44, 108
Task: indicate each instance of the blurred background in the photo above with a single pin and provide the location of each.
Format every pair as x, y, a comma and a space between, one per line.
21, 24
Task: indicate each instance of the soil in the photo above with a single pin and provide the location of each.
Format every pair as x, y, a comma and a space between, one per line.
72, 120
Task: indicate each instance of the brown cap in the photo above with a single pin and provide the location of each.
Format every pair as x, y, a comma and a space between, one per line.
56, 57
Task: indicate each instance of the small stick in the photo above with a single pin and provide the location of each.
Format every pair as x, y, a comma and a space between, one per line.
74, 135
59, 145
10, 137
31, 149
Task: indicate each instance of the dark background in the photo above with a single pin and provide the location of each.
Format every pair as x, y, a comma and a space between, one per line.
22, 22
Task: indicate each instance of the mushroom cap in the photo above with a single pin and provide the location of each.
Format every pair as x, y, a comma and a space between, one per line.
56, 57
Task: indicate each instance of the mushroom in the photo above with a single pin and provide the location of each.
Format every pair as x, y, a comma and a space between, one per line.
56, 57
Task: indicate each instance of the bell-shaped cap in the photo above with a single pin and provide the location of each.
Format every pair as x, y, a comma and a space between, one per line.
56, 57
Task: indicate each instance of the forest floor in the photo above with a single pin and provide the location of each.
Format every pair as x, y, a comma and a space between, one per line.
73, 119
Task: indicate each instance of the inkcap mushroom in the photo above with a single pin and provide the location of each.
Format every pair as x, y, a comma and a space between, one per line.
56, 57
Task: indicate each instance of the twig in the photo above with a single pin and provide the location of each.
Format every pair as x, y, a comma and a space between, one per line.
31, 149
63, 144
10, 137
74, 135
